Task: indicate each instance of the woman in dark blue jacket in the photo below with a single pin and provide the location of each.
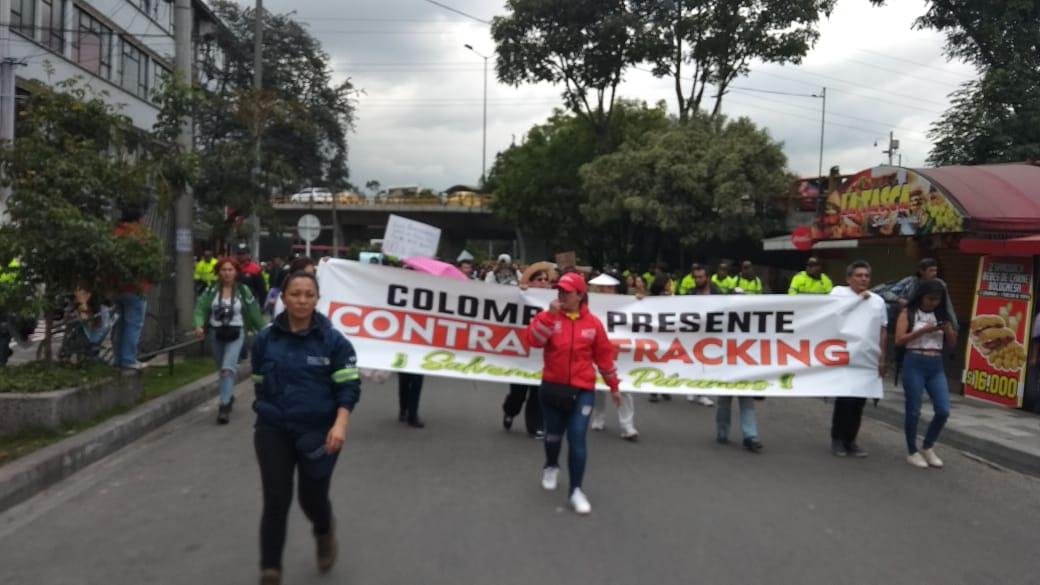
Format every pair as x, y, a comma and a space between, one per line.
307, 384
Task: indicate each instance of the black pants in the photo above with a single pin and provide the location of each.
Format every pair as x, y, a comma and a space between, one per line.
848, 413
519, 394
409, 388
276, 453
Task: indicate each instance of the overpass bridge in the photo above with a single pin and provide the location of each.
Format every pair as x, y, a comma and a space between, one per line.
367, 221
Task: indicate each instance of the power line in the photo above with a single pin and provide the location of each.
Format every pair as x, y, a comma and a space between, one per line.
897, 72
857, 85
918, 63
457, 11
882, 124
871, 132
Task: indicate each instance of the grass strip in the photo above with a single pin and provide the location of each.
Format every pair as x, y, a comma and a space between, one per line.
157, 382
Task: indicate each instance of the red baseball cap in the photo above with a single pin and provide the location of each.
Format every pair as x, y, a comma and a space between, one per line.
572, 282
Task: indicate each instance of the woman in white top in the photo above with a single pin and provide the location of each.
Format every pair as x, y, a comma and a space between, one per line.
923, 327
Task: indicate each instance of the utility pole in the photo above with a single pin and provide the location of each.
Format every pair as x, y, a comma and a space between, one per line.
258, 84
483, 144
823, 124
184, 215
893, 147
7, 102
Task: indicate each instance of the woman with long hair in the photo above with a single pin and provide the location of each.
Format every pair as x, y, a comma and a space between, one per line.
576, 345
924, 327
307, 384
226, 309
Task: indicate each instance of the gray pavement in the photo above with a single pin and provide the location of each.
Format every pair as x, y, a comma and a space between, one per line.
460, 502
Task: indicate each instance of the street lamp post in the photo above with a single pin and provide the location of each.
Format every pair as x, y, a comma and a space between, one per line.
483, 144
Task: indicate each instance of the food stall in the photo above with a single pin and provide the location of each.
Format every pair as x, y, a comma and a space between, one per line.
982, 223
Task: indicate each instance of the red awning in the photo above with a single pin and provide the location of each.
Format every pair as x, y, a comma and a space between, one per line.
1027, 246
998, 198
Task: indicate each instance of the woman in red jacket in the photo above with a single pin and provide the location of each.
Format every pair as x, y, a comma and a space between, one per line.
575, 345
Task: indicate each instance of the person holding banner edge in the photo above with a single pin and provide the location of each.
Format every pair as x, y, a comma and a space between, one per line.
848, 410
575, 344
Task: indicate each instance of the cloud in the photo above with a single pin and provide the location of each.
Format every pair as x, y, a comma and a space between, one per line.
420, 118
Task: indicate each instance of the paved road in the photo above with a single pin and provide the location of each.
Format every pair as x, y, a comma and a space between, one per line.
460, 502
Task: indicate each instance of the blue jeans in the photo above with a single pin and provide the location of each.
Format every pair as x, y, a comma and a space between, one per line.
132, 308
225, 354
748, 422
921, 373
575, 425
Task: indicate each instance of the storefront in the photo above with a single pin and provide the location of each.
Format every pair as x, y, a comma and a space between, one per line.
982, 224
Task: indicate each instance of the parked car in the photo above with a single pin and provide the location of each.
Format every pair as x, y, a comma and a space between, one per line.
312, 194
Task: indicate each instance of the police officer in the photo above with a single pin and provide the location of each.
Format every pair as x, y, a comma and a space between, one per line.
811, 281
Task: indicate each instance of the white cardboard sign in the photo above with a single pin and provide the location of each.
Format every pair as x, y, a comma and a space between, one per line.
407, 238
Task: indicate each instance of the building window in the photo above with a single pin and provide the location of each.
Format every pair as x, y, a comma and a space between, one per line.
92, 45
149, 7
163, 76
135, 70
23, 16
52, 15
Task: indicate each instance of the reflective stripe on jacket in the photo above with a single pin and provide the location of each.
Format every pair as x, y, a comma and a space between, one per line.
803, 284
303, 378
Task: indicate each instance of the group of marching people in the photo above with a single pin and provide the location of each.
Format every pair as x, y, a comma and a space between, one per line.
307, 382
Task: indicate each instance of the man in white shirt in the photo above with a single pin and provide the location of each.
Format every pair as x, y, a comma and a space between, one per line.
504, 272
848, 411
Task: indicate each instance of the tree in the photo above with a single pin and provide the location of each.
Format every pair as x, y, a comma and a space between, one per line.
301, 116
536, 186
584, 44
707, 179
718, 40
75, 161
373, 186
995, 118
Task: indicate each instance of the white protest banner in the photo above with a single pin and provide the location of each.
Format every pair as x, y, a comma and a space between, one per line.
759, 345
406, 238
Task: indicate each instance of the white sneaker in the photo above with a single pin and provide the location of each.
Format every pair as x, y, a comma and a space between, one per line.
917, 460
932, 459
549, 477
597, 425
579, 502
705, 401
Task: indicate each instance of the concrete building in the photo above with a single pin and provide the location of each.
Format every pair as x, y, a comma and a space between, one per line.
124, 48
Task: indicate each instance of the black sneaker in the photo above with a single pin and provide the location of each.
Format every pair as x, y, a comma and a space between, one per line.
507, 422
224, 414
838, 448
416, 422
753, 444
721, 439
853, 450
655, 397
402, 416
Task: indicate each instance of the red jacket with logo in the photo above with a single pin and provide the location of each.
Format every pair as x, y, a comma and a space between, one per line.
574, 347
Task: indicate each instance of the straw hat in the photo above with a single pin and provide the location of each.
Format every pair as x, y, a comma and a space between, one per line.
548, 267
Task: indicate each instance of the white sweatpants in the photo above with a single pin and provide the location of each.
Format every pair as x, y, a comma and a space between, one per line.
626, 412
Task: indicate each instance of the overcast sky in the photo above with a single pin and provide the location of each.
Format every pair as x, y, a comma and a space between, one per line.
419, 118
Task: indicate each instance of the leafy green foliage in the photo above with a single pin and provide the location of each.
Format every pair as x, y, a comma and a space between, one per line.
586, 45
44, 377
712, 42
997, 117
706, 179
76, 161
302, 118
536, 183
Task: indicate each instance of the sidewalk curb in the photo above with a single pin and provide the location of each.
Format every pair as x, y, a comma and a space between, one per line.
989, 450
25, 477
